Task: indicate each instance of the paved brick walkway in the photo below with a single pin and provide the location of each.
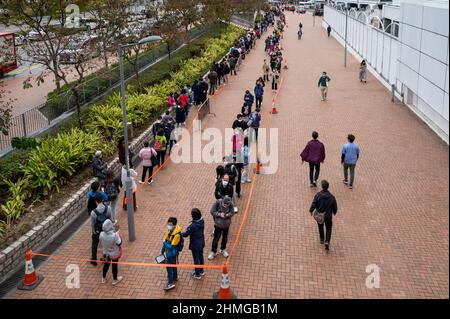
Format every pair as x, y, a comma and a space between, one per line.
396, 216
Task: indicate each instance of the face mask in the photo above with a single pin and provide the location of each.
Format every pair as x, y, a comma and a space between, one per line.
225, 184
169, 227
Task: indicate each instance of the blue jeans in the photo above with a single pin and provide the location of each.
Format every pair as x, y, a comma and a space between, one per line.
197, 255
172, 273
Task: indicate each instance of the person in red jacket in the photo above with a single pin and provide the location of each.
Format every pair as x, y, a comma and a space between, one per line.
314, 154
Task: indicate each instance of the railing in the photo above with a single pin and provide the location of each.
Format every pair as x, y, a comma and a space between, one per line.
42, 116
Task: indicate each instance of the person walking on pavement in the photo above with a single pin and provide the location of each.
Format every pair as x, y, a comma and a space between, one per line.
171, 248
196, 233
324, 203
149, 158
329, 30
363, 71
98, 216
314, 154
266, 71
323, 85
222, 212
350, 155
112, 251
259, 93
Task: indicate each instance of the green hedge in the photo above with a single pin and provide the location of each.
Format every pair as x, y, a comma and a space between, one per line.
59, 157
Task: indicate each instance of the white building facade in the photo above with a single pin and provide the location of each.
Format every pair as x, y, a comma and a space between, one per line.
407, 46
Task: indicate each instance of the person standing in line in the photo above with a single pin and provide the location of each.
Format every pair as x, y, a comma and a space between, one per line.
149, 156
329, 30
232, 62
325, 202
363, 71
112, 189
196, 233
275, 79
121, 149
95, 189
314, 154
196, 91
254, 122
323, 85
350, 155
99, 167
157, 126
98, 216
259, 93
160, 146
240, 123
112, 251
212, 77
133, 174
222, 212
245, 154
171, 250
266, 71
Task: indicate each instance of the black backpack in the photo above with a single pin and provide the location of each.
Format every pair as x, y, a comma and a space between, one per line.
230, 170
112, 191
99, 220
91, 205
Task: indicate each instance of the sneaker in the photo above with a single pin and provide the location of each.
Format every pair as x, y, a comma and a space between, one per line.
350, 186
141, 182
249, 180
151, 182
103, 280
93, 263
238, 195
202, 273
225, 253
327, 246
212, 255
315, 184
198, 277
311, 185
236, 210
169, 287
345, 182
115, 282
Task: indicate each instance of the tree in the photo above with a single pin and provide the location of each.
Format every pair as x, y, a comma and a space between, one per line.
5, 109
184, 13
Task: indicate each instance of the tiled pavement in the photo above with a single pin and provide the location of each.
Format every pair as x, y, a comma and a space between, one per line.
396, 216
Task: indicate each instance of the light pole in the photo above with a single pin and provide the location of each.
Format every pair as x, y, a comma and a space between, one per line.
314, 13
128, 183
346, 22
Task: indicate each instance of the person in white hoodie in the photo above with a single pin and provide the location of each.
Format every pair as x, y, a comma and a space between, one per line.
111, 242
133, 174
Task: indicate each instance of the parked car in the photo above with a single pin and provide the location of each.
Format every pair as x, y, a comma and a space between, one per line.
81, 49
35, 35
301, 9
19, 39
318, 12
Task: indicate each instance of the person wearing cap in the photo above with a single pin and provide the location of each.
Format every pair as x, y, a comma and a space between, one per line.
99, 167
222, 212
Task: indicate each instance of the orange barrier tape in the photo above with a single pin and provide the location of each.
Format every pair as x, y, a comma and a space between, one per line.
127, 263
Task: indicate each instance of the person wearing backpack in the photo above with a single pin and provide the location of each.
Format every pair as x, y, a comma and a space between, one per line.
169, 133
255, 121
160, 147
324, 203
112, 251
172, 246
91, 203
112, 189
149, 158
98, 216
196, 233
222, 212
157, 126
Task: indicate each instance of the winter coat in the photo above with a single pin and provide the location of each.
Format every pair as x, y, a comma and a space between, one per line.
133, 174
171, 242
324, 201
217, 208
101, 209
314, 152
146, 154
222, 191
99, 167
196, 233
110, 240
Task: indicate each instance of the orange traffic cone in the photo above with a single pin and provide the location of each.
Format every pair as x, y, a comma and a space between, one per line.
31, 279
225, 292
258, 167
274, 109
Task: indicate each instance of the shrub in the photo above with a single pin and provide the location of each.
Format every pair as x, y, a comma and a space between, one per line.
24, 143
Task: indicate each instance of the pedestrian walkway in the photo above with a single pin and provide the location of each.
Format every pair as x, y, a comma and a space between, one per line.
396, 217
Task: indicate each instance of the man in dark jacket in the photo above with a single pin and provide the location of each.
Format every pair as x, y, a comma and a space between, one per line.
196, 91
99, 167
196, 232
259, 92
203, 90
325, 202
249, 99
212, 77
222, 212
314, 154
239, 122
224, 188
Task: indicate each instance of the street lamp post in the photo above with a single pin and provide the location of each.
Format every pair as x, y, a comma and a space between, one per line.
314, 13
128, 182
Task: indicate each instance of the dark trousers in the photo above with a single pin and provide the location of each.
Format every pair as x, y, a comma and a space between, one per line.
124, 205
144, 173
239, 167
274, 85
329, 226
95, 241
256, 132
197, 255
212, 88
172, 273
161, 157
314, 171
115, 268
233, 70
218, 232
266, 77
259, 100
